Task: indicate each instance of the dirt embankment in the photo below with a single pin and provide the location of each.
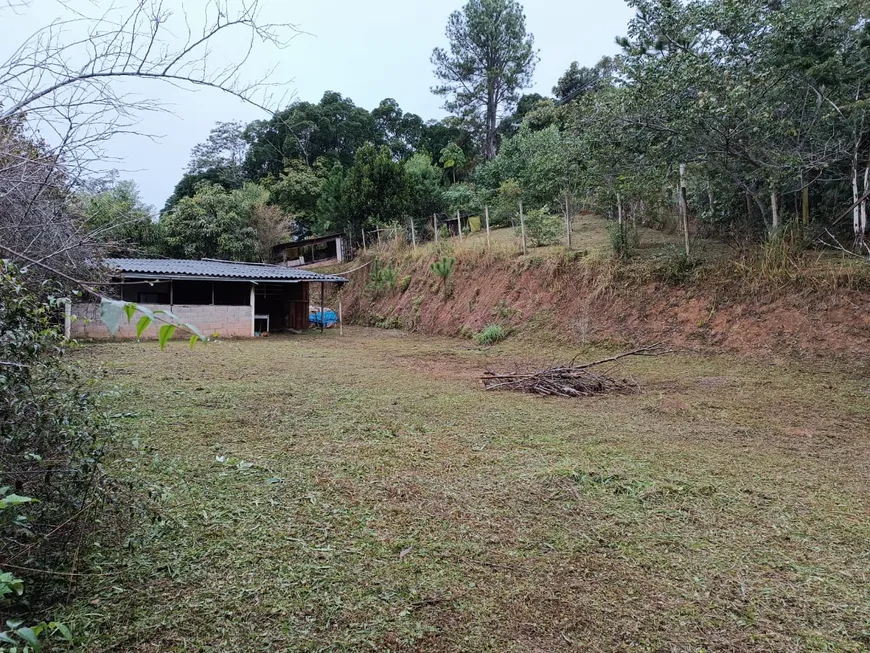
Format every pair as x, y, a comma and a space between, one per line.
580, 302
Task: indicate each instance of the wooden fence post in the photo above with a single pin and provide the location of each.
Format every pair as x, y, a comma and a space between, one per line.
459, 225
522, 227
413, 234
322, 300
486, 213
365, 249
435, 223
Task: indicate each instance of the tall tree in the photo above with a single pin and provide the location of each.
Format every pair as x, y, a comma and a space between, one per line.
214, 223
223, 155
374, 192
491, 58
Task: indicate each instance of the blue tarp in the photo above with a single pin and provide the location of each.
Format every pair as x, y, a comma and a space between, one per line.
328, 319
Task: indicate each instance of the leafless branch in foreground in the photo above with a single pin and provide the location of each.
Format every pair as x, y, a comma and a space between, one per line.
64, 92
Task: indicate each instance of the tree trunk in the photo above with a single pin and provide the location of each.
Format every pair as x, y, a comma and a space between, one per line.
856, 212
522, 227
619, 208
805, 205
491, 117
774, 212
684, 208
568, 219
863, 221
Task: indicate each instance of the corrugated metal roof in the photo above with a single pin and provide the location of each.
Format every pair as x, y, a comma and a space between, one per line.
175, 268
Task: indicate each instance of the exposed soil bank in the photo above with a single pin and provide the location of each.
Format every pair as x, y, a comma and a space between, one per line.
581, 301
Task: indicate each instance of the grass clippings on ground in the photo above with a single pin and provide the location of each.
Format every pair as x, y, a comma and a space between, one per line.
326, 493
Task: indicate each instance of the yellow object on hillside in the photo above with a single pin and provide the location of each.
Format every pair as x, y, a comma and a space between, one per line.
474, 223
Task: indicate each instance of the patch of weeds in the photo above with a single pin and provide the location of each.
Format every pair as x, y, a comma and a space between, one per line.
405, 283
503, 312
613, 483
465, 331
389, 322
382, 278
674, 266
624, 240
542, 227
473, 301
491, 334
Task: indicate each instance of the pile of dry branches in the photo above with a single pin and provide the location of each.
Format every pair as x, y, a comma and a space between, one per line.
570, 380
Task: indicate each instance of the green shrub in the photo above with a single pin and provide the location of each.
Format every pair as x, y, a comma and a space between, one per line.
405, 283
382, 278
674, 266
443, 268
624, 239
542, 227
491, 334
52, 438
390, 322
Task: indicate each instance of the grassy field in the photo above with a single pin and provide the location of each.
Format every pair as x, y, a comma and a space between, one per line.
317, 493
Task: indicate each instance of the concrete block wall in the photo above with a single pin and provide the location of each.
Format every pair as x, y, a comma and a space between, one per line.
226, 321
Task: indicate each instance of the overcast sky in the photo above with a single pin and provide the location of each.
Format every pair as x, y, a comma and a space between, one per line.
367, 51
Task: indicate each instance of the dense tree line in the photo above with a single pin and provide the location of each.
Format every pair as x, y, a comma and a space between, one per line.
763, 104
757, 108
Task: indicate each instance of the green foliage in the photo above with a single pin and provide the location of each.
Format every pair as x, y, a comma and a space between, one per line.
425, 193
382, 278
537, 165
543, 227
491, 334
624, 240
490, 58
405, 283
118, 218
461, 197
112, 310
214, 223
52, 439
297, 191
26, 639
673, 266
334, 128
329, 202
375, 191
453, 159
443, 269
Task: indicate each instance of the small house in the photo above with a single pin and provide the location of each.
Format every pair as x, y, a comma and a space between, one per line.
311, 252
224, 297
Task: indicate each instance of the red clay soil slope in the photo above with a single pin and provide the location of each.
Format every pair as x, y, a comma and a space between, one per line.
579, 301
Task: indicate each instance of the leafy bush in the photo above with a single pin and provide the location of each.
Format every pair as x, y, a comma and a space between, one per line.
491, 334
52, 438
382, 278
624, 239
543, 227
674, 266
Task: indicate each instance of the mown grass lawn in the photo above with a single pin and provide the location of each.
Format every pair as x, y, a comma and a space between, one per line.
319, 493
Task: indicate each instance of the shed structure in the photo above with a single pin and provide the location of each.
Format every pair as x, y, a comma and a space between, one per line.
219, 297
